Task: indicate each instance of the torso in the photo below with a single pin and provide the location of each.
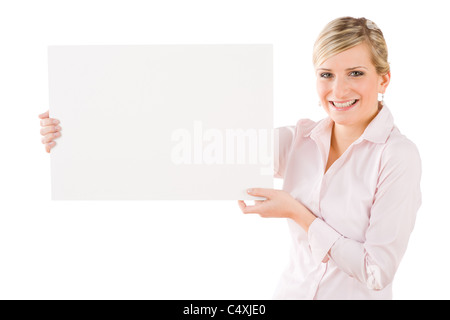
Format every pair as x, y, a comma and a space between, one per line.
332, 157
336, 150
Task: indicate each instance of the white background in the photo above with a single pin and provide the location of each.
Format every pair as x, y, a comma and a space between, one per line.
207, 249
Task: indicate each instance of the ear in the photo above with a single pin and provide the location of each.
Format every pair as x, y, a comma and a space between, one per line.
383, 82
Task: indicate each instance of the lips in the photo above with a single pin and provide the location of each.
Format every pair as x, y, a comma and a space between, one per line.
344, 105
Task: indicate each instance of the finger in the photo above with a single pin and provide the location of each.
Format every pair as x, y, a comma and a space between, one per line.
50, 129
245, 208
261, 192
251, 209
49, 146
242, 205
44, 115
49, 137
258, 207
49, 122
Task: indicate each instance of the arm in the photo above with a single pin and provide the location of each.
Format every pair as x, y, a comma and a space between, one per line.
283, 139
392, 219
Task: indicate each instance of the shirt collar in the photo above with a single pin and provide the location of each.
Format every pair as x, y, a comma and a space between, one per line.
321, 128
380, 127
377, 131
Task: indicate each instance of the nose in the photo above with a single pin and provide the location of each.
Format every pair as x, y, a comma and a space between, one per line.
340, 88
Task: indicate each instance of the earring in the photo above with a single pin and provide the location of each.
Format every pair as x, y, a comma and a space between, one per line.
382, 100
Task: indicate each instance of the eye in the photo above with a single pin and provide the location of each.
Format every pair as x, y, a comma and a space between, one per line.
356, 73
326, 75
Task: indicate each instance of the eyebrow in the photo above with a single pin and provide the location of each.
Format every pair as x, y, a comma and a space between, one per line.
357, 67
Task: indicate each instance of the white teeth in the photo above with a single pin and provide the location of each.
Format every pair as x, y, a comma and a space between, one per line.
344, 105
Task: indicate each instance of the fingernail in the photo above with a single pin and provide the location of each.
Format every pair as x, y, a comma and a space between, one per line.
57, 128
56, 134
55, 121
249, 190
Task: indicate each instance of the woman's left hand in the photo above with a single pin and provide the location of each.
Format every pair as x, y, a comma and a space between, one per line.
278, 204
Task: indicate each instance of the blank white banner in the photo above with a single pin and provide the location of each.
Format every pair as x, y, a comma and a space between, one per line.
161, 121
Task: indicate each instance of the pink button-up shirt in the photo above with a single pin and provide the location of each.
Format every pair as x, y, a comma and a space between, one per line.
365, 204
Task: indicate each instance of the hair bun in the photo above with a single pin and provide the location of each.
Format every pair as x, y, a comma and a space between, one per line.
371, 25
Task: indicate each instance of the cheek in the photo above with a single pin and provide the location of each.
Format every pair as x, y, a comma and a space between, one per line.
322, 89
368, 90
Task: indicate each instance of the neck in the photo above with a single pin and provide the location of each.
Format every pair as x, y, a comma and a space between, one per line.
344, 135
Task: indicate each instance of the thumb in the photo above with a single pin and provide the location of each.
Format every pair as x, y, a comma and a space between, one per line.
260, 192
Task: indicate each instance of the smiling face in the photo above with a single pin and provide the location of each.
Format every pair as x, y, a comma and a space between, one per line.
348, 86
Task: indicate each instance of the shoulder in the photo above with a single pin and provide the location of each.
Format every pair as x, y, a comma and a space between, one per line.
302, 127
400, 169
306, 127
400, 152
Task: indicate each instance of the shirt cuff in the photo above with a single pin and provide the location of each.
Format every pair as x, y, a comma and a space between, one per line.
321, 238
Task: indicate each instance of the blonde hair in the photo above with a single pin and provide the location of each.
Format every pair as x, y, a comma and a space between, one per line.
346, 32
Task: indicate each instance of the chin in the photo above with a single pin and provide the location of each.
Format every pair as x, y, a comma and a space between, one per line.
343, 121
342, 118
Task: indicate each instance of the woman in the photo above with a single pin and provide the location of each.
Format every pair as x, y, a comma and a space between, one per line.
351, 181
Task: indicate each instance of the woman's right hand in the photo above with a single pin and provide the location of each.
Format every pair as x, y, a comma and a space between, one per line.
50, 130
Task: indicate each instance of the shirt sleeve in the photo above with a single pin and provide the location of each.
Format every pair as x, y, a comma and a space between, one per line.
392, 218
283, 139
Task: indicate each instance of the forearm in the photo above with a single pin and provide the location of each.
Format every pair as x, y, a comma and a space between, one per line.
371, 263
302, 216
376, 270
